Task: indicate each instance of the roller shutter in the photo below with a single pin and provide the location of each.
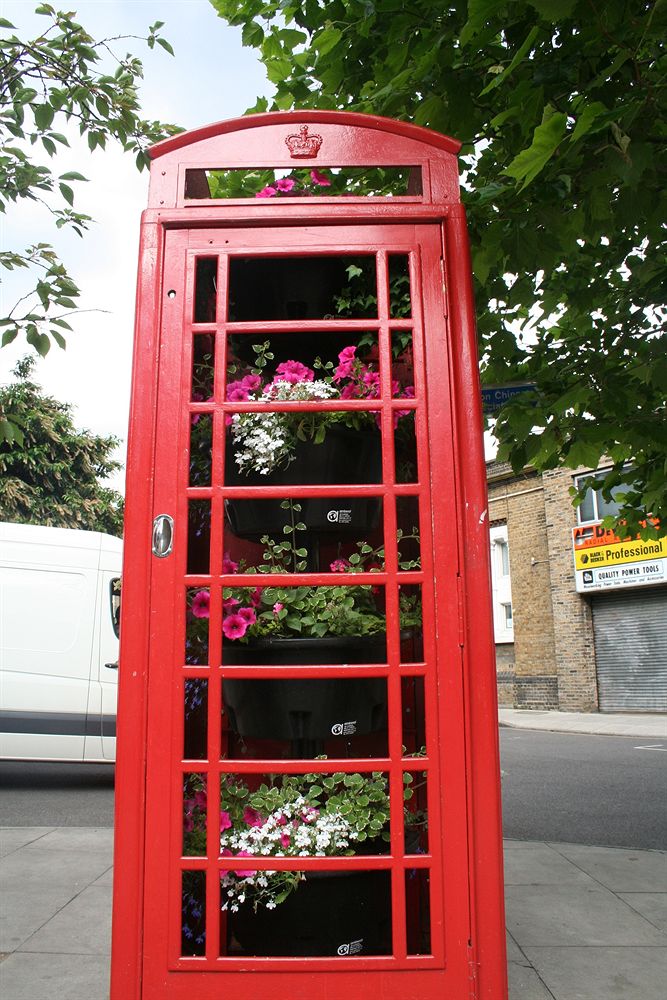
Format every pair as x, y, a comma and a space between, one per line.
631, 650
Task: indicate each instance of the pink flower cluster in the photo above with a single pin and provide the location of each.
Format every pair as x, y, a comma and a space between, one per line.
287, 371
236, 619
364, 382
287, 185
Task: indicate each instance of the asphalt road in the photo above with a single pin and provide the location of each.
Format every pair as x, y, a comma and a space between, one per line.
556, 787
575, 789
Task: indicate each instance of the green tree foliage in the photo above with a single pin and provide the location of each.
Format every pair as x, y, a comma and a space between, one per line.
560, 105
56, 80
51, 474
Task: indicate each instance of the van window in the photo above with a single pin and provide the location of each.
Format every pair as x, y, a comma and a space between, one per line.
114, 597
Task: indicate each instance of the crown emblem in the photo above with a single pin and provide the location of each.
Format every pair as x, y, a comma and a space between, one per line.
303, 146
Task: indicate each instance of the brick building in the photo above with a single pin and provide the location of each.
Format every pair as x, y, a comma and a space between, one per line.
557, 648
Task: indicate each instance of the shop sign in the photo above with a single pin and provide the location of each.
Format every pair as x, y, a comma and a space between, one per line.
603, 561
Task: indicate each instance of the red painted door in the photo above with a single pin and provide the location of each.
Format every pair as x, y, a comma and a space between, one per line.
338, 766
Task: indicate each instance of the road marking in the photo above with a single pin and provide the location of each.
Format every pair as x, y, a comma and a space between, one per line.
653, 746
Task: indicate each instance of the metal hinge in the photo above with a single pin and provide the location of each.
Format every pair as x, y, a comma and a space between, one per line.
444, 286
461, 613
472, 973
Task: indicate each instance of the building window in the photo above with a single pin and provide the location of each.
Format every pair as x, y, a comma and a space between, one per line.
507, 611
502, 548
594, 506
501, 584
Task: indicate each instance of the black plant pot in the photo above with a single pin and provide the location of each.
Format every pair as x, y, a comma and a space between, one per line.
345, 457
312, 709
331, 913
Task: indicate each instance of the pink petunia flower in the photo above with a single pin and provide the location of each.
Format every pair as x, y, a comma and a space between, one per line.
251, 382
278, 607
234, 627
321, 179
339, 566
236, 392
248, 615
267, 192
200, 800
252, 817
256, 597
293, 372
285, 183
349, 391
225, 820
228, 565
285, 839
201, 604
230, 602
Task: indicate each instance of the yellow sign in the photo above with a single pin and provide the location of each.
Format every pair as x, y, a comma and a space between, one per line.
616, 553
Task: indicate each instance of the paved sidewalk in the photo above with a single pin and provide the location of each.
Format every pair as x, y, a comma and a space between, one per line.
584, 923
651, 726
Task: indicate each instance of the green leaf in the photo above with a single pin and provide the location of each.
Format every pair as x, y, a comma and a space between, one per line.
165, 45
9, 335
73, 175
553, 10
586, 119
518, 57
44, 115
67, 193
327, 40
531, 161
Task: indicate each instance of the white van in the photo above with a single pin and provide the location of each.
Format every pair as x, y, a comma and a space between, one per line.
59, 613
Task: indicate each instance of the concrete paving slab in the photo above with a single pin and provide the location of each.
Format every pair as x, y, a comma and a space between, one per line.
106, 878
515, 845
32, 867
24, 910
14, 837
617, 869
651, 905
79, 838
514, 953
540, 865
574, 915
602, 973
47, 977
81, 927
525, 984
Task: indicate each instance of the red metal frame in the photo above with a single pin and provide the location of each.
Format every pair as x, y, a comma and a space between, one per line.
465, 859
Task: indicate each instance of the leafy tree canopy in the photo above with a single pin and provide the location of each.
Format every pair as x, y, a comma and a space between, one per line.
52, 475
58, 79
561, 108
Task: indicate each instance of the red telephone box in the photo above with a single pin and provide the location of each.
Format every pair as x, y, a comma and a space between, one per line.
307, 796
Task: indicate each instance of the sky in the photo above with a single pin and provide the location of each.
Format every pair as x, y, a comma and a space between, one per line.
210, 78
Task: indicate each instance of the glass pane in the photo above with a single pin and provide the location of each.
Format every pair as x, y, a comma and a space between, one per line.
313, 287
414, 722
314, 523
418, 910
402, 366
400, 306
303, 719
203, 362
405, 447
201, 444
194, 815
195, 727
336, 913
317, 625
193, 910
196, 626
412, 645
206, 271
303, 182
409, 545
415, 812
199, 537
